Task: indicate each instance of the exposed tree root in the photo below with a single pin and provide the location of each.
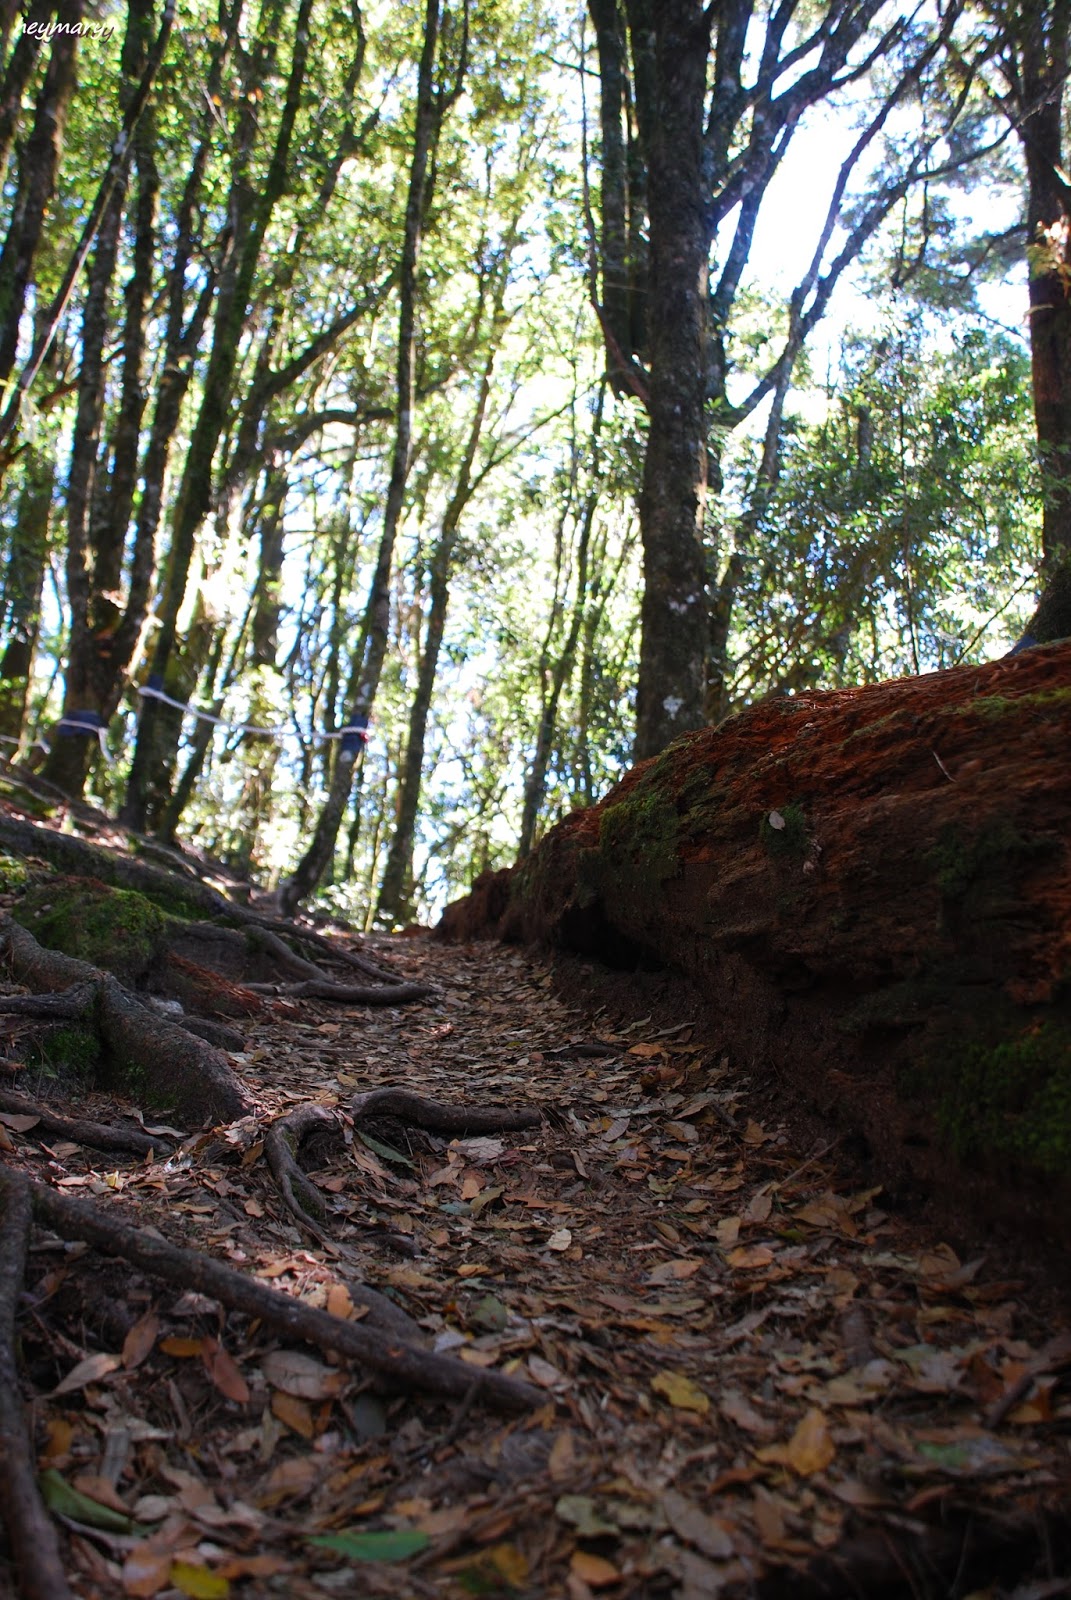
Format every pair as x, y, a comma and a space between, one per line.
313, 983
393, 994
281, 1144
437, 1117
382, 1353
166, 888
97, 1135
173, 1065
30, 1530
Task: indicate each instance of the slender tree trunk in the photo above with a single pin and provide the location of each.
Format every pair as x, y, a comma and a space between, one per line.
36, 182
432, 105
251, 208
556, 677
396, 892
673, 640
20, 609
1043, 28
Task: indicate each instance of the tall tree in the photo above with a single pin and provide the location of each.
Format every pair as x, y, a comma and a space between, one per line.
695, 133
440, 78
1032, 40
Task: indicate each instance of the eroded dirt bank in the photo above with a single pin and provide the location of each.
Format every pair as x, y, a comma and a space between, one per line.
755, 1379
871, 889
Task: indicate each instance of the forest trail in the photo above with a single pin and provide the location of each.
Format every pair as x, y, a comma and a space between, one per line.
756, 1380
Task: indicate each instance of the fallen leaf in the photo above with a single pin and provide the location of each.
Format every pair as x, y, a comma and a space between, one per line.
675, 1271
561, 1239
692, 1524
91, 1370
680, 1391
223, 1371
139, 1341
339, 1301
290, 1480
809, 1450
390, 1544
581, 1513
739, 1410
747, 1257
198, 1582
146, 1572
298, 1374
297, 1414
593, 1570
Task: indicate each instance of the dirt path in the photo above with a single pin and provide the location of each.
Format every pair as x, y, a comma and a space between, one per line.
757, 1382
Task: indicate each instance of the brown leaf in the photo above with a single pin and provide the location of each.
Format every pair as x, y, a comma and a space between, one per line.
809, 1450
140, 1340
91, 1370
680, 1391
223, 1371
690, 1523
593, 1570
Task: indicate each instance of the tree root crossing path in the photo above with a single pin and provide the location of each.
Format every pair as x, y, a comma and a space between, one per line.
490, 1293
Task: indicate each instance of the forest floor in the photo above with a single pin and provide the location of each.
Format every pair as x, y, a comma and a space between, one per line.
756, 1379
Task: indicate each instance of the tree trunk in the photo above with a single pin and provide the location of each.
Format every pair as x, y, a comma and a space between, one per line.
1043, 47
36, 182
431, 108
20, 609
673, 618
149, 783
555, 677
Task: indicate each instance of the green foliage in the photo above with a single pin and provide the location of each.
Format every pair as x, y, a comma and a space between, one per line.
905, 526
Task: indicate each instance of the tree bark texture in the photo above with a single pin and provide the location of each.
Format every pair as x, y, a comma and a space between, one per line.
673, 615
1040, 38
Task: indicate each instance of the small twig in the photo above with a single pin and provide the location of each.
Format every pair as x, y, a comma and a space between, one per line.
30, 1530
819, 1155
942, 766
1053, 1356
452, 1432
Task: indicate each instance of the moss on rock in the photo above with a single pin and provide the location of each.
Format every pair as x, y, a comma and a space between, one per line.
117, 929
1010, 1101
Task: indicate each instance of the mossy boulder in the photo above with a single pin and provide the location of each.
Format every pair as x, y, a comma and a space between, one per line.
116, 929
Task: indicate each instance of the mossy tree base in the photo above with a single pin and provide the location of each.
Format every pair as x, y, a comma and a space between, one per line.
152, 1058
872, 890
